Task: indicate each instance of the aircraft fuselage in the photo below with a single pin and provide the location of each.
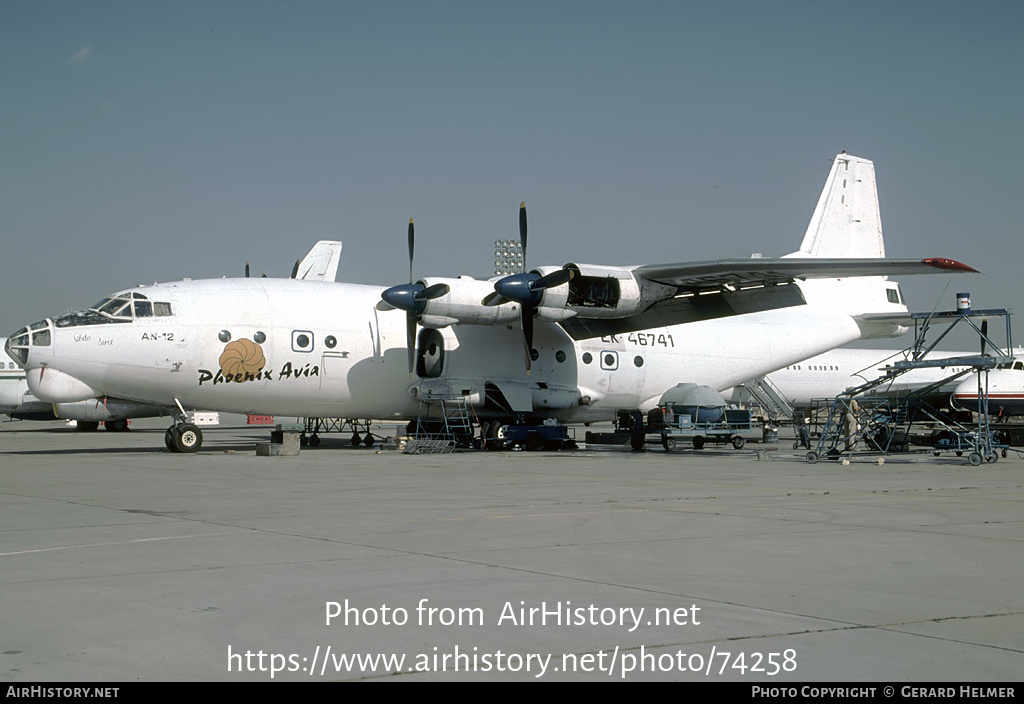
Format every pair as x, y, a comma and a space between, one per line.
314, 348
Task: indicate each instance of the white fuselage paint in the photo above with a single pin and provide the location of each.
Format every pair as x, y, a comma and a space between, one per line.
172, 359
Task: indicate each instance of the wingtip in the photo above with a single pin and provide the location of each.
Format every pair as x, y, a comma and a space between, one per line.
949, 265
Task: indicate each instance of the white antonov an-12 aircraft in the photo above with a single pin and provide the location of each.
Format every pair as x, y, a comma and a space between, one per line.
597, 338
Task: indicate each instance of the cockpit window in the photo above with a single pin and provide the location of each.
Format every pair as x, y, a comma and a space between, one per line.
123, 308
116, 307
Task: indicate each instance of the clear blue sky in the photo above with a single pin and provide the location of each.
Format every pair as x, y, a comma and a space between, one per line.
144, 141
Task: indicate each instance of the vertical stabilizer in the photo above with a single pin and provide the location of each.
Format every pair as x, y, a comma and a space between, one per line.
321, 264
846, 221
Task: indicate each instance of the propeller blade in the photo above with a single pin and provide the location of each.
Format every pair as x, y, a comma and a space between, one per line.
555, 278
528, 312
432, 292
247, 270
412, 242
984, 335
410, 338
493, 299
522, 231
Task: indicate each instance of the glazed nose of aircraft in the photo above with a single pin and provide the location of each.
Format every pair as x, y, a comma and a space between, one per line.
31, 348
19, 344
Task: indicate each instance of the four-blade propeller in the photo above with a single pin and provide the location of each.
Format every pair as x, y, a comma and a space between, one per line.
412, 298
526, 289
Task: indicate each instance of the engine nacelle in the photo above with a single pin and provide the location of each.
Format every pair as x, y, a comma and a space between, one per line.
599, 292
464, 303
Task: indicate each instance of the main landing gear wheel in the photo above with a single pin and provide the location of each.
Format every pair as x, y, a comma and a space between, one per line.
183, 438
490, 433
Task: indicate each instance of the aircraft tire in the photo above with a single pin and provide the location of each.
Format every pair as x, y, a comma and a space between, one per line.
368, 440
87, 426
169, 439
314, 440
188, 438
356, 439
115, 426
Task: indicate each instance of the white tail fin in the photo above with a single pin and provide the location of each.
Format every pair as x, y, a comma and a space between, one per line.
321, 264
846, 221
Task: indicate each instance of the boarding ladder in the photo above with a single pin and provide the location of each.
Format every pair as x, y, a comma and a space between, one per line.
769, 397
442, 424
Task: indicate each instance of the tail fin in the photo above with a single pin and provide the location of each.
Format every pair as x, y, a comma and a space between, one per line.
321, 264
846, 221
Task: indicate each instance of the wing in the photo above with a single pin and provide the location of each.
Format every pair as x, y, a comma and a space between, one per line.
718, 289
699, 276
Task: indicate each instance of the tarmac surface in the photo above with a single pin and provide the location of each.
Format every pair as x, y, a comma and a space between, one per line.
120, 561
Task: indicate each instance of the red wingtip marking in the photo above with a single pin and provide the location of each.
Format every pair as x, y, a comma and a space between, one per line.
949, 264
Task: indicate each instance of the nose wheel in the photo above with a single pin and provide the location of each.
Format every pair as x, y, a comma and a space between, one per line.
184, 437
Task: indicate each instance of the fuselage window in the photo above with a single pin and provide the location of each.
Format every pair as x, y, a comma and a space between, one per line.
302, 341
